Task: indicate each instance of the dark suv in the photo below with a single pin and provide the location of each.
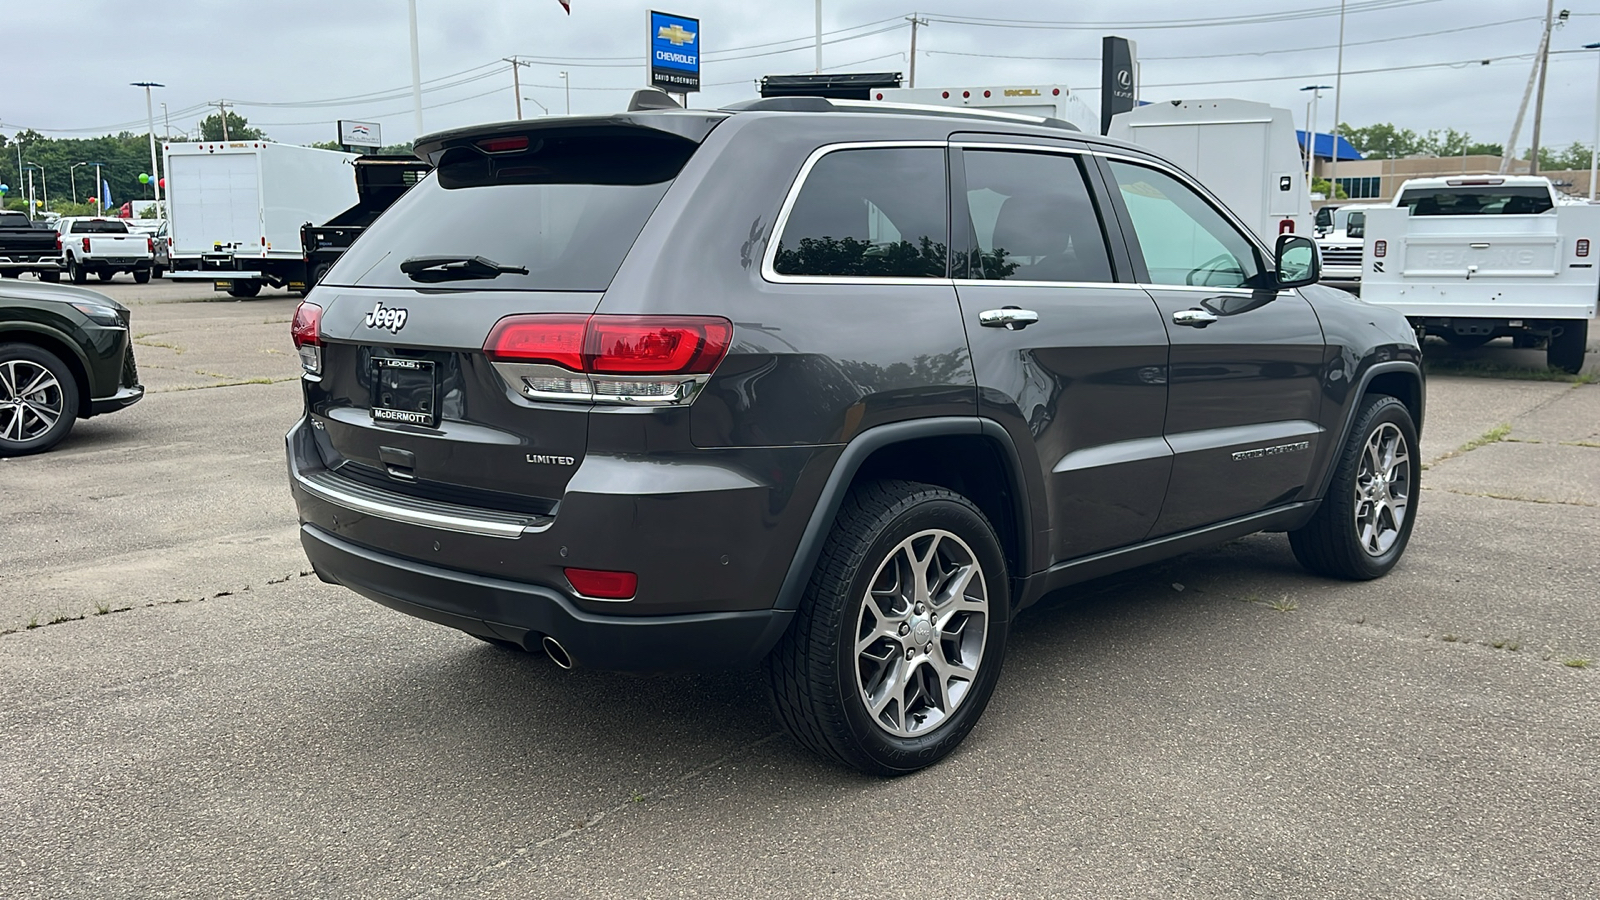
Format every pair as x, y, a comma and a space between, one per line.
833, 388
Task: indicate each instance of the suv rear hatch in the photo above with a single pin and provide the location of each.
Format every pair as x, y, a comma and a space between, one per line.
521, 219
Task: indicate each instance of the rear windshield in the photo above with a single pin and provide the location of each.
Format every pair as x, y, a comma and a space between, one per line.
568, 208
1474, 200
99, 227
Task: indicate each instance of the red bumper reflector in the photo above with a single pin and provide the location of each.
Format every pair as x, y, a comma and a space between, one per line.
604, 585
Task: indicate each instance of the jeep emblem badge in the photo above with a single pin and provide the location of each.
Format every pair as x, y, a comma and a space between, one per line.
392, 318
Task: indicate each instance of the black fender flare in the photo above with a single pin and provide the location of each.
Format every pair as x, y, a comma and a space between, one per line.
1373, 371
849, 463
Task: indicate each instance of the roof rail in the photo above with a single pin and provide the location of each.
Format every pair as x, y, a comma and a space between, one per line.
823, 104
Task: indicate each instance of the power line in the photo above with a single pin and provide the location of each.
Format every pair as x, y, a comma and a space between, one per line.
1320, 12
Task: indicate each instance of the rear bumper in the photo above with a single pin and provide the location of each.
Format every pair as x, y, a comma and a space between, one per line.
525, 613
122, 399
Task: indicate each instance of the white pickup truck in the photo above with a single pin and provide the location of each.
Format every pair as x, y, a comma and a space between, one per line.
104, 247
1341, 245
1477, 257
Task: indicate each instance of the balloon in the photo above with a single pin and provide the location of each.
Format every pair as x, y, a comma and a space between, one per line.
163, 184
143, 178
4, 188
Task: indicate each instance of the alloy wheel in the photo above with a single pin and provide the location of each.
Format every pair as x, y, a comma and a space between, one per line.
921, 632
31, 401
1382, 489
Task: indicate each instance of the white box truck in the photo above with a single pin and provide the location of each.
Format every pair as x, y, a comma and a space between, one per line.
1474, 258
235, 210
1053, 101
1244, 152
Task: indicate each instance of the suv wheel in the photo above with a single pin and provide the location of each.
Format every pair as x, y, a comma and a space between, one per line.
38, 400
898, 641
1365, 521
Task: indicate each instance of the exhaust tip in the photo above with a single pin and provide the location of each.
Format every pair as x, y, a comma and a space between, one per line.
557, 653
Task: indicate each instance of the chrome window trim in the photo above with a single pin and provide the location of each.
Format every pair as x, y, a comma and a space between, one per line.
1118, 285
770, 273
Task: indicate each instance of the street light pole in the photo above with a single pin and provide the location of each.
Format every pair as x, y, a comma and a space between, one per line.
1311, 131
1594, 149
72, 175
568, 82
1338, 97
150, 114
416, 68
541, 106
44, 183
818, 70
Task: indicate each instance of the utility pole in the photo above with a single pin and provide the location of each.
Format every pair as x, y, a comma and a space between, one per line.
1510, 151
516, 81
914, 23
818, 69
416, 68
1594, 149
1544, 65
222, 111
150, 116
1338, 95
566, 80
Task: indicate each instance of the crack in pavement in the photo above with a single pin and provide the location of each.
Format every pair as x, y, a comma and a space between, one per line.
61, 620
1489, 495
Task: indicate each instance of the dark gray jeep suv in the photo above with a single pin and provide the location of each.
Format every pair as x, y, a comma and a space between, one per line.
830, 388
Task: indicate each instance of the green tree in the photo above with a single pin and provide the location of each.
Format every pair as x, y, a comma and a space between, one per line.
1383, 140
1321, 185
238, 128
1573, 156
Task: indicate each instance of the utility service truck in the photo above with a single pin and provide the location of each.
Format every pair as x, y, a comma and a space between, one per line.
1243, 152
1340, 245
1049, 101
1473, 258
380, 181
236, 208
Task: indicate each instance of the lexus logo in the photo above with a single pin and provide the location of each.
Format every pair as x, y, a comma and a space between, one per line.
1124, 78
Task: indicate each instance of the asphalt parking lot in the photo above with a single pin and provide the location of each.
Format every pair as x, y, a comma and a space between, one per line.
188, 713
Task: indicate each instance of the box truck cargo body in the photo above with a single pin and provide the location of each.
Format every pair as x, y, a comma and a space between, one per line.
1243, 152
236, 209
1049, 101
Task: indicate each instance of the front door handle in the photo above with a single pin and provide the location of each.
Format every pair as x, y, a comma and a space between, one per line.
1194, 318
1010, 317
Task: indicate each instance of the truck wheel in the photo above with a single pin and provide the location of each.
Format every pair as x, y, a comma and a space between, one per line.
38, 400
141, 276
50, 275
1567, 348
319, 273
76, 272
897, 645
159, 272
247, 288
1365, 520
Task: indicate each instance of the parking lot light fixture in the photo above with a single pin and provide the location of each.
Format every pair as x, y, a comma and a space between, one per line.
568, 82
150, 116
1594, 149
1311, 126
541, 106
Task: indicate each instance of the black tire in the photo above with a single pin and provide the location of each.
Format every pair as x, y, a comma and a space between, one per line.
141, 276
12, 273
1466, 341
62, 399
244, 289
319, 273
50, 275
1566, 349
816, 674
159, 272
1331, 543
105, 274
76, 272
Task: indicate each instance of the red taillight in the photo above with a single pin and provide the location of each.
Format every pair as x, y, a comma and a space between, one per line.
86, 245
945, 95
965, 94
307, 327
880, 96
150, 245
613, 345
986, 93
1583, 246
604, 585
1055, 92
58, 242
1379, 248
539, 339
504, 144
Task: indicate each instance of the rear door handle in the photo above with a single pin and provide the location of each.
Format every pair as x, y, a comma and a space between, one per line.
1010, 317
1194, 318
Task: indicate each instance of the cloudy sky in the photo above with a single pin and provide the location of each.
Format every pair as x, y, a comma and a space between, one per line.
296, 66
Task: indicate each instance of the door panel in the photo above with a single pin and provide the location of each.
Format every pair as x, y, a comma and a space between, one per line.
1082, 390
1243, 394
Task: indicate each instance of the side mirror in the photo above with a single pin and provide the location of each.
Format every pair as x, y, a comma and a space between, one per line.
1297, 261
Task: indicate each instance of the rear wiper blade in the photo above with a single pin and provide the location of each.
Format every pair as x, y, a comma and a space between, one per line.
456, 268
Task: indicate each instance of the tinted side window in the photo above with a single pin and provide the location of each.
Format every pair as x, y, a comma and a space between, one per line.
877, 213
1033, 218
1185, 241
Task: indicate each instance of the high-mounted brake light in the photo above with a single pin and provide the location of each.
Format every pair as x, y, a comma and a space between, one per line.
306, 331
618, 359
504, 144
1473, 182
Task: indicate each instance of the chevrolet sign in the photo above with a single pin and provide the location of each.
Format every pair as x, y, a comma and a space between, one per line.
674, 52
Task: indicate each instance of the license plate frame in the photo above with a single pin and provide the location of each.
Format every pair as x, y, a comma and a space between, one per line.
405, 391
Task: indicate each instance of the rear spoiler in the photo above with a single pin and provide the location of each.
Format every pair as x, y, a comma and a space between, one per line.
688, 125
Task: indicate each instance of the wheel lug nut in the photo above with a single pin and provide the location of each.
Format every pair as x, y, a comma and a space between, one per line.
910, 653
928, 649
920, 609
904, 629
